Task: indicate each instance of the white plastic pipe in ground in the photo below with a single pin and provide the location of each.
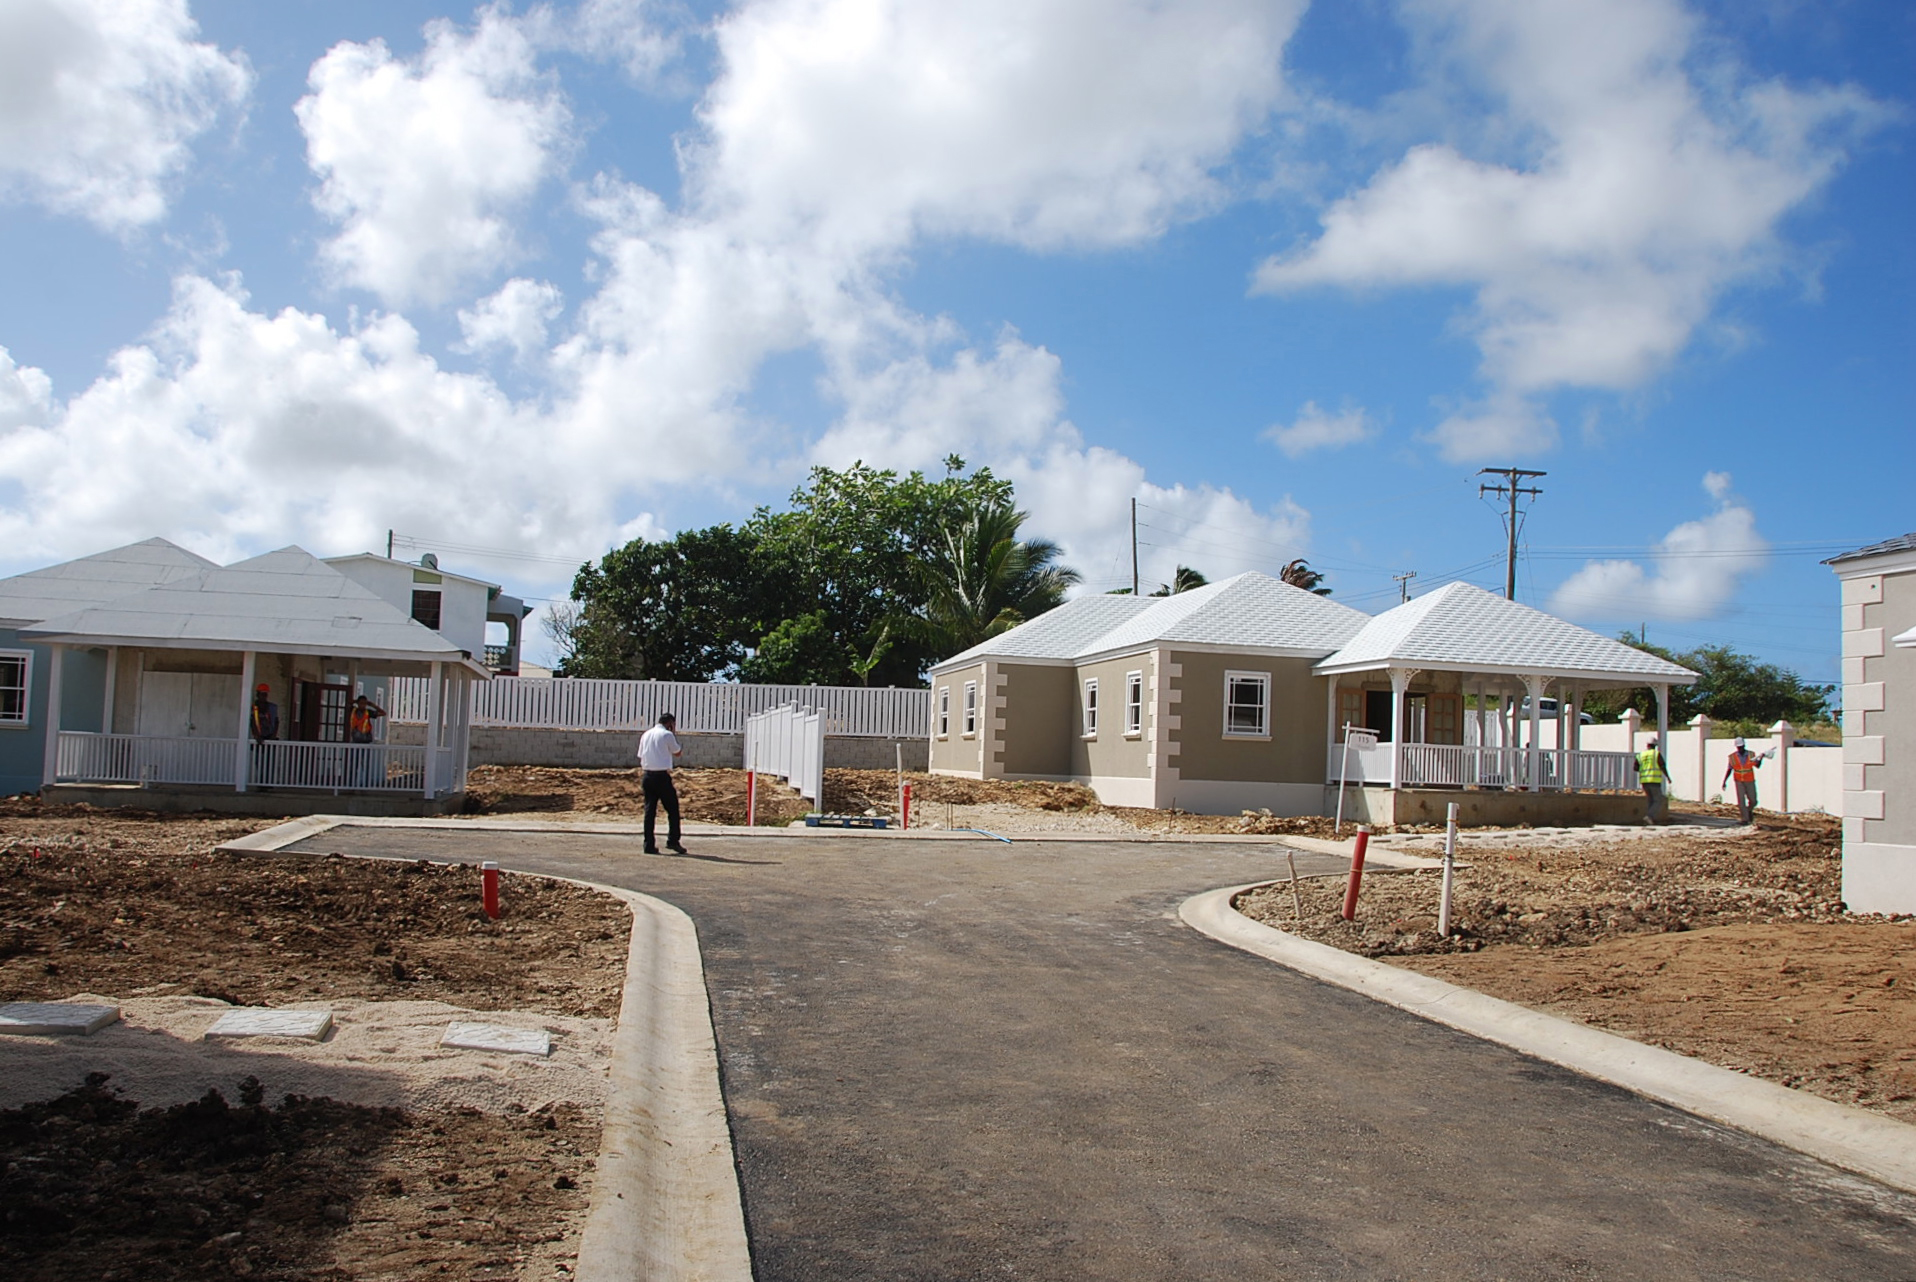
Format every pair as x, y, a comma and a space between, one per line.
1450, 862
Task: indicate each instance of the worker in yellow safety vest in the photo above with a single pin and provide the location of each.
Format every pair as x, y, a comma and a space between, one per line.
1654, 775
1743, 764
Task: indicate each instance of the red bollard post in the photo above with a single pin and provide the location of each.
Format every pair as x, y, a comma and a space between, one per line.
489, 888
904, 812
751, 798
1357, 873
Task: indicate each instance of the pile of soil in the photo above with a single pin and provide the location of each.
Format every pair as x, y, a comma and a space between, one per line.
109, 904
1732, 946
119, 904
307, 1188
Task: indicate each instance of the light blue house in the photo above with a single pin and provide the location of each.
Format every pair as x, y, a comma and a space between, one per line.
27, 599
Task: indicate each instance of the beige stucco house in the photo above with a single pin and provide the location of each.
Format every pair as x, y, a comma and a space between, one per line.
1879, 725
1236, 696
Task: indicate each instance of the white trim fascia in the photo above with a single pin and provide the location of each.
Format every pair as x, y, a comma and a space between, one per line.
1207, 647
410, 565
980, 660
1619, 680
458, 658
1904, 638
1898, 562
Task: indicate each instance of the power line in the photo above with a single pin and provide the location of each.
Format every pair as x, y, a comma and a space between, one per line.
1512, 488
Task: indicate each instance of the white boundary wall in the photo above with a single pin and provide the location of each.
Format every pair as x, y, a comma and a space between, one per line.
789, 742
1697, 766
562, 703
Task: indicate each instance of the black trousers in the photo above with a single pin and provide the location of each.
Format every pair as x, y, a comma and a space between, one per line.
658, 789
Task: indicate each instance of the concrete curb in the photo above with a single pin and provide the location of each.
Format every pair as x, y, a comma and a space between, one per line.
665, 1203
1878, 1147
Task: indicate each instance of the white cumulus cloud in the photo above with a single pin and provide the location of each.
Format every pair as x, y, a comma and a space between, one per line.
1649, 176
100, 101
515, 317
1695, 570
1316, 429
26, 394
425, 162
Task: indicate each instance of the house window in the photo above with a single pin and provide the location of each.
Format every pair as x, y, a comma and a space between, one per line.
971, 707
1446, 718
1091, 708
16, 669
1134, 703
1247, 704
944, 711
425, 607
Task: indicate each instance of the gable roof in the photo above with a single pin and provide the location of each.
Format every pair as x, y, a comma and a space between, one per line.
1247, 612
284, 602
95, 580
1902, 543
1460, 627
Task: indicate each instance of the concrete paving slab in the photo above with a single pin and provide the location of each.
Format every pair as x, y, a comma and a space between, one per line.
56, 1017
464, 1036
257, 1021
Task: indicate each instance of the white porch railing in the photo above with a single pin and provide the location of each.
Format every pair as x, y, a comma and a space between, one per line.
129, 758
550, 703
1438, 765
789, 742
85, 757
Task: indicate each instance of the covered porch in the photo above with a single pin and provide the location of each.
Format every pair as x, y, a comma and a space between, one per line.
1465, 692
176, 690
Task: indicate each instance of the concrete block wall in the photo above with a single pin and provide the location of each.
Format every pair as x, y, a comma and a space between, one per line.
619, 749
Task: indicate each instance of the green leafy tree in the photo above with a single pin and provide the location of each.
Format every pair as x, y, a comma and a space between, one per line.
985, 580
1183, 579
1731, 686
1299, 574
800, 651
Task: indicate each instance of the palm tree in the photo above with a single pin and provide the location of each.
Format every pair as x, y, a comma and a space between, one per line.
986, 580
1183, 579
1299, 574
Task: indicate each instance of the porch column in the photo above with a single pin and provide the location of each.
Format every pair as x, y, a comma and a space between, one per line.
1576, 730
435, 714
242, 755
1663, 724
50, 764
462, 733
1399, 682
1534, 687
112, 688
1330, 739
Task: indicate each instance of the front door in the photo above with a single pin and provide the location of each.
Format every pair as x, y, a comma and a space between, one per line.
322, 712
195, 705
1377, 713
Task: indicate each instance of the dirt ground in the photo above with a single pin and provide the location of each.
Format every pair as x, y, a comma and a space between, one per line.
718, 796
1731, 946
127, 906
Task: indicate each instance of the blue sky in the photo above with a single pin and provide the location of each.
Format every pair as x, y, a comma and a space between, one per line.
534, 280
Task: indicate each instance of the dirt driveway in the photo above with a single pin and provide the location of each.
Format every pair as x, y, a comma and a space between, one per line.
964, 1059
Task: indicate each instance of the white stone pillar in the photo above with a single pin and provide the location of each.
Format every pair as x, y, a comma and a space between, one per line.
112, 689
1785, 736
1632, 722
50, 765
1701, 724
243, 754
1399, 683
435, 715
1534, 687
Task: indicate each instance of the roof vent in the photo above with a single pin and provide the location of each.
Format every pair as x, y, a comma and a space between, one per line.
430, 560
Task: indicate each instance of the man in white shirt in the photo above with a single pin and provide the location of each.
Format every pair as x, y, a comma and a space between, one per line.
658, 752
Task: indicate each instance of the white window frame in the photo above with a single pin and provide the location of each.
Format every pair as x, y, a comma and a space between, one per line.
1133, 705
25, 718
944, 712
1090, 707
1263, 682
971, 709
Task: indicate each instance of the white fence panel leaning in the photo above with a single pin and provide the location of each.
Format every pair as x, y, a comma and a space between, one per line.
789, 742
572, 703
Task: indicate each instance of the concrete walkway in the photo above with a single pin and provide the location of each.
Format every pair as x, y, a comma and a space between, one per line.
951, 1060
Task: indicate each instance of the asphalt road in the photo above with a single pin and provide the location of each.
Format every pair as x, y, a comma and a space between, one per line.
968, 1060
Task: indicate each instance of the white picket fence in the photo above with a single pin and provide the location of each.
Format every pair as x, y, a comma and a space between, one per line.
564, 703
789, 742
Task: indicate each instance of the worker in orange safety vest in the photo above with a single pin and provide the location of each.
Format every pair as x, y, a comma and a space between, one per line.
1742, 767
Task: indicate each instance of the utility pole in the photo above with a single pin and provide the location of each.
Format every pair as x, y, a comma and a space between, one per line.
389, 545
1511, 488
1134, 547
1403, 584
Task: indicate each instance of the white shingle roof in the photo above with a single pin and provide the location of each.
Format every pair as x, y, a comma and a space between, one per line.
95, 580
1461, 627
1060, 633
285, 602
1252, 611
